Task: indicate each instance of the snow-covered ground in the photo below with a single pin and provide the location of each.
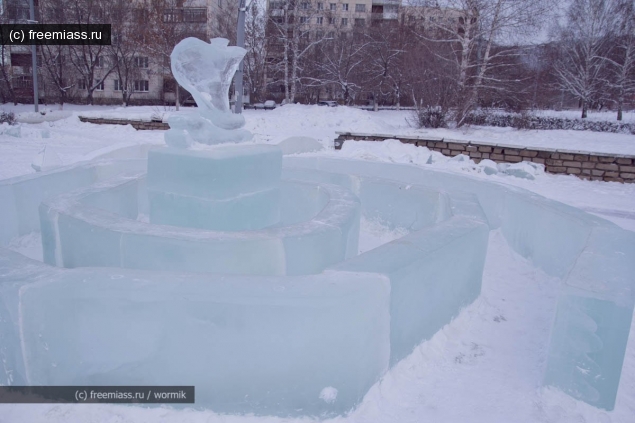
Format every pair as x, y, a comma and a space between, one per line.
486, 366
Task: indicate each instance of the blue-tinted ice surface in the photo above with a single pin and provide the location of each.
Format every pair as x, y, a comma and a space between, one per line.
227, 187
438, 263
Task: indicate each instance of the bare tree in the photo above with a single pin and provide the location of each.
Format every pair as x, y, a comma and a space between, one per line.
585, 43
170, 21
293, 29
255, 68
341, 64
622, 61
90, 61
130, 22
485, 36
56, 59
386, 60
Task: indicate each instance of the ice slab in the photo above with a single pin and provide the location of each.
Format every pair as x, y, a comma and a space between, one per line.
550, 234
78, 235
249, 344
21, 196
593, 320
433, 273
252, 211
396, 205
218, 173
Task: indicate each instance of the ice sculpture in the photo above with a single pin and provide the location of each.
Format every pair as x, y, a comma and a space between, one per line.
228, 187
206, 71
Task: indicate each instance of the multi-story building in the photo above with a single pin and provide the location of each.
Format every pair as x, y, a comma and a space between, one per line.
147, 69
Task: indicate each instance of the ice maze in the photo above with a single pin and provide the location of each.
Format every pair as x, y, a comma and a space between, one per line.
236, 269
263, 320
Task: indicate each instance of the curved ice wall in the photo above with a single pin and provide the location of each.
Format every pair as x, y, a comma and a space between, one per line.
341, 328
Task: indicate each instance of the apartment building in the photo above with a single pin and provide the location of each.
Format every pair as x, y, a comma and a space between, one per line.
316, 20
147, 74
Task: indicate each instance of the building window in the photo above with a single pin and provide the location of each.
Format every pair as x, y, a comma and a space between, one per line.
24, 82
195, 15
331, 34
319, 20
320, 6
344, 21
304, 19
220, 3
345, 7
117, 85
305, 6
142, 85
319, 35
331, 21
360, 7
99, 62
81, 84
360, 22
141, 62
100, 86
171, 15
333, 6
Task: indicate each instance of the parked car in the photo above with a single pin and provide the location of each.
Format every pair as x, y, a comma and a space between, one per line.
327, 103
269, 105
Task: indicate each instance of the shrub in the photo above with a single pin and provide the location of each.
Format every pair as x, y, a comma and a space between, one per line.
7, 117
526, 120
430, 117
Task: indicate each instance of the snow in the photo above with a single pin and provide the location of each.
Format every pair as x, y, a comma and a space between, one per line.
485, 366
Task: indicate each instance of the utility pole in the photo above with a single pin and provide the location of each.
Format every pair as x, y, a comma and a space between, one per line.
36, 94
240, 42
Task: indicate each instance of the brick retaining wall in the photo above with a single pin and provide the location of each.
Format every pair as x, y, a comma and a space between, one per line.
142, 125
585, 165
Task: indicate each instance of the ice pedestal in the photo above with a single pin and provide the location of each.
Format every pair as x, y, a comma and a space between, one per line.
226, 187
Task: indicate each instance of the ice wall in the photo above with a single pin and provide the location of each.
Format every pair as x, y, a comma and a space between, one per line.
594, 257
21, 196
266, 345
76, 232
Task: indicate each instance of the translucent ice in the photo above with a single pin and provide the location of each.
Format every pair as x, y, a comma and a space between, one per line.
593, 320
206, 71
46, 159
244, 342
225, 187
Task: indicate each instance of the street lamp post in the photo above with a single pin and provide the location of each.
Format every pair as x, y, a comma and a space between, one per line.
240, 42
36, 94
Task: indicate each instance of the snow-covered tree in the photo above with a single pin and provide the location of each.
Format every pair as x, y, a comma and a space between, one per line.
585, 42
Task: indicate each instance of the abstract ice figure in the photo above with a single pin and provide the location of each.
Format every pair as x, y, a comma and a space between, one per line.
206, 71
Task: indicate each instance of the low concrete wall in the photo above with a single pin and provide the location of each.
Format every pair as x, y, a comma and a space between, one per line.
142, 125
585, 165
